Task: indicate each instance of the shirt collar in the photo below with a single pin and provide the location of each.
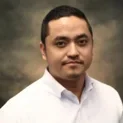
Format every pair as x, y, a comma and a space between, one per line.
88, 83
56, 88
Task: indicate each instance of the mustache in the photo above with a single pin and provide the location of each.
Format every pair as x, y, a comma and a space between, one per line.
73, 61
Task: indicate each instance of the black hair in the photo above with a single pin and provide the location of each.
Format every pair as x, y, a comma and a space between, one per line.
58, 12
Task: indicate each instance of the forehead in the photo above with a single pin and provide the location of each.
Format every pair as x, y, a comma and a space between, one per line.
68, 26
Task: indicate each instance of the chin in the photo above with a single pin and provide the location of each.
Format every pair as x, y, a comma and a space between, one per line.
73, 76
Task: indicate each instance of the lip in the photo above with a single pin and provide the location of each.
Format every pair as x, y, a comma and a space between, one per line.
72, 63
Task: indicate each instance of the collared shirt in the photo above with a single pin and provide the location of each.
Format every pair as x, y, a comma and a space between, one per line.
47, 101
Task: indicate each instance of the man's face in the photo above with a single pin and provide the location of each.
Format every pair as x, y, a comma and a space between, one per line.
68, 48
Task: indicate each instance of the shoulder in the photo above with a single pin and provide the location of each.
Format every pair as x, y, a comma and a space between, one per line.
107, 92
18, 107
104, 89
107, 96
29, 92
25, 99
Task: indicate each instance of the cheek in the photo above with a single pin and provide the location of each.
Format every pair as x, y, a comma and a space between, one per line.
54, 57
86, 51
87, 54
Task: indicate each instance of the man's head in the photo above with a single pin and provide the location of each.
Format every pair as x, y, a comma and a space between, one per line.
58, 12
67, 42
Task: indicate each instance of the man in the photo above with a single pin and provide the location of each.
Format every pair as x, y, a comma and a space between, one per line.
65, 93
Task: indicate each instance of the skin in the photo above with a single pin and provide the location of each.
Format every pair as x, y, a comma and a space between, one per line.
68, 51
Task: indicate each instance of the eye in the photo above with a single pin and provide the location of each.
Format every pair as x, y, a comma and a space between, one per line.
82, 42
61, 44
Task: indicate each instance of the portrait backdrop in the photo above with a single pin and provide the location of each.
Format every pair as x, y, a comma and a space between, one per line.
20, 57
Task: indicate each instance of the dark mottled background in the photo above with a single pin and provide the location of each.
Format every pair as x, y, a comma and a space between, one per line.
20, 59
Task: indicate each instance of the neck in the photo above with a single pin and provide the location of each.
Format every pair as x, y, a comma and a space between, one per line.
75, 86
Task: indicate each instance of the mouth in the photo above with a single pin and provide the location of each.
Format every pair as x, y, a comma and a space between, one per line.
73, 63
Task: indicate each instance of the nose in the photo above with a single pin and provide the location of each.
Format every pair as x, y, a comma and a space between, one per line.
72, 51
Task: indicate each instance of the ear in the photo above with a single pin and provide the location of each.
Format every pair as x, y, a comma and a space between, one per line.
43, 50
92, 52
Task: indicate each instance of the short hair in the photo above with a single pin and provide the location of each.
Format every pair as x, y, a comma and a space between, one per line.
58, 12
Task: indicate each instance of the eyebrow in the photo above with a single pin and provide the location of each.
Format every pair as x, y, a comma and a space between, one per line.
61, 38
81, 36
67, 38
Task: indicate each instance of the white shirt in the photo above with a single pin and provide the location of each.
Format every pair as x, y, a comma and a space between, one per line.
46, 101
